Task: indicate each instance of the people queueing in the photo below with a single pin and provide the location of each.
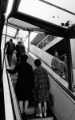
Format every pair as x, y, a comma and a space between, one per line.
41, 89
28, 82
9, 47
24, 84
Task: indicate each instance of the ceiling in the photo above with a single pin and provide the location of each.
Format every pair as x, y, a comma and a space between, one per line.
20, 18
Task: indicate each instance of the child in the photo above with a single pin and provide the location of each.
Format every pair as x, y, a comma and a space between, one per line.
41, 88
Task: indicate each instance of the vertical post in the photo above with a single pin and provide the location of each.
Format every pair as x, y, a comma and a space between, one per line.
3, 6
2, 20
69, 63
28, 41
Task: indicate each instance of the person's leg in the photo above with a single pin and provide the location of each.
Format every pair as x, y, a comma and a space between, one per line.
45, 109
21, 106
8, 58
40, 109
26, 106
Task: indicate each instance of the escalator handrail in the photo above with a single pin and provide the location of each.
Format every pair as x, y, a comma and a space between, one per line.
15, 106
7, 97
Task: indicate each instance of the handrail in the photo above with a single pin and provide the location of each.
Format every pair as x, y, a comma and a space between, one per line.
7, 99
15, 105
64, 82
52, 43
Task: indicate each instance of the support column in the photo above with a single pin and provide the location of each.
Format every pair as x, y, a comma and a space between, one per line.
28, 41
2, 116
69, 62
3, 6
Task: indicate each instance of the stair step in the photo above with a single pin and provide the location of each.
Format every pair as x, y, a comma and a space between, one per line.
48, 118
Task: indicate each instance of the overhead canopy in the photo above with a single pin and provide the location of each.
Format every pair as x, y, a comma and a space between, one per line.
22, 24
30, 19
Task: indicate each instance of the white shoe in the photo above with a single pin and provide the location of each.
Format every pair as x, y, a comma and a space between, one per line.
40, 115
45, 114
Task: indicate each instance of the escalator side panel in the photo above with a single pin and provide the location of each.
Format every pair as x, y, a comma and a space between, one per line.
64, 106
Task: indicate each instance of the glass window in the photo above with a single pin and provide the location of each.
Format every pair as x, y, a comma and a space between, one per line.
49, 12
66, 4
10, 31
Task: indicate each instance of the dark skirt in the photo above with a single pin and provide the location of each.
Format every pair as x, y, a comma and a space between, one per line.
41, 95
23, 91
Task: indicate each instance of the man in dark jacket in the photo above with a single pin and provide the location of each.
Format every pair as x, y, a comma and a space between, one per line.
9, 48
20, 48
24, 83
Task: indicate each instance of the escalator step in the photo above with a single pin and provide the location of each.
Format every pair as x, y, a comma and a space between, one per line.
48, 118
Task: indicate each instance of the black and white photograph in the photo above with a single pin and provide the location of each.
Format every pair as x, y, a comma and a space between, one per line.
37, 60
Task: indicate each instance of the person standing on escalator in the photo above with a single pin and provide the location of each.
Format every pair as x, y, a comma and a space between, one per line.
41, 88
24, 84
20, 48
9, 48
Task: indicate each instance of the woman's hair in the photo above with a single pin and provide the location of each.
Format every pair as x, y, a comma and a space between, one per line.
37, 62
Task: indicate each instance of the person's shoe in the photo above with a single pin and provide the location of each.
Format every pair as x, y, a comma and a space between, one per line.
40, 115
45, 114
37, 115
23, 116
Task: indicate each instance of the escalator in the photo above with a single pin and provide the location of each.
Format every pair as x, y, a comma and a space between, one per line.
10, 100
64, 100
